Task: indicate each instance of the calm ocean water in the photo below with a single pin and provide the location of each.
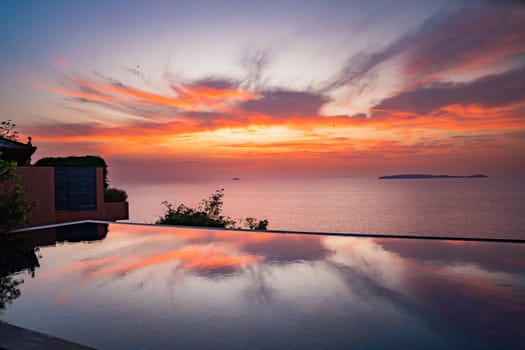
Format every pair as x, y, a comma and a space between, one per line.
489, 207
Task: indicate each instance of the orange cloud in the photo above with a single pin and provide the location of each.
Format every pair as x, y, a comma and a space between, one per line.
219, 126
191, 257
85, 265
188, 98
84, 95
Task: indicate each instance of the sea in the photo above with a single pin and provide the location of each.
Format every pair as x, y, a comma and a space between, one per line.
492, 207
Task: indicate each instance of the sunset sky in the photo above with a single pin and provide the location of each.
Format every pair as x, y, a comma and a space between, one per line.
168, 90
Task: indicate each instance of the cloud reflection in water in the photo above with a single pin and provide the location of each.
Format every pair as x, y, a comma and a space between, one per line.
290, 288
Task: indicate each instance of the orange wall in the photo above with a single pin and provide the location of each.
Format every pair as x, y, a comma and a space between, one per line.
40, 184
107, 211
116, 211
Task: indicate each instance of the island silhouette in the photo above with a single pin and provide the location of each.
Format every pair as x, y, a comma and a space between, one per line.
428, 176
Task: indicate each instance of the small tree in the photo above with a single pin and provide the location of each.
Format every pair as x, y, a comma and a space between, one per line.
213, 205
7, 130
15, 205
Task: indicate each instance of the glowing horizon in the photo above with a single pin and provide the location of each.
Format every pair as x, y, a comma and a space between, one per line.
442, 92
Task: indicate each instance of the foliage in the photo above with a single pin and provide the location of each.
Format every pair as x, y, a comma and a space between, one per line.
9, 290
7, 130
208, 213
254, 225
115, 195
15, 208
213, 206
13, 246
16, 254
7, 170
73, 162
15, 205
183, 215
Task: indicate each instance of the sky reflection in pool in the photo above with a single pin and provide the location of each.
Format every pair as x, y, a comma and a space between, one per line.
126, 286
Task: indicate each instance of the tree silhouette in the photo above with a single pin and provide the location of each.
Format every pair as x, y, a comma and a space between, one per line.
7, 130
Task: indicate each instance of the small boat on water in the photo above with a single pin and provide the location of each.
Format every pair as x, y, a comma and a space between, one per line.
236, 178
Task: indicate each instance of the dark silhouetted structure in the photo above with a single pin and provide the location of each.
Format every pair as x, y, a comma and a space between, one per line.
16, 151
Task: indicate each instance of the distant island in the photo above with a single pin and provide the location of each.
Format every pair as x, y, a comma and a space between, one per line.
428, 176
236, 178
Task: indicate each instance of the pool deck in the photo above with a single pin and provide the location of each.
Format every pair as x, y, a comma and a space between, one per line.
17, 338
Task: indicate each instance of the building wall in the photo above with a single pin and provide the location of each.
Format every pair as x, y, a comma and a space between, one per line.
108, 212
116, 211
40, 185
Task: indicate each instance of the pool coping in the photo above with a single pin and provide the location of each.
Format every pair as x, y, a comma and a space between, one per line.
332, 234
15, 337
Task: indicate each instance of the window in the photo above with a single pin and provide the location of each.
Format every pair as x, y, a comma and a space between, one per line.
75, 189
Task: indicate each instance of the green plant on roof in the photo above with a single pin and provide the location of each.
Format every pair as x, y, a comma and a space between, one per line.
110, 194
75, 162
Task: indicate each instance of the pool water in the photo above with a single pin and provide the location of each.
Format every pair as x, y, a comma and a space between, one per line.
120, 286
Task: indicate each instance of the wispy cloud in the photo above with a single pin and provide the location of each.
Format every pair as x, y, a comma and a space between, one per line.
460, 89
184, 98
491, 91
476, 37
285, 103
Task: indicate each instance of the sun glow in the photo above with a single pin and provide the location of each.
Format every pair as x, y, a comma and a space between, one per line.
425, 89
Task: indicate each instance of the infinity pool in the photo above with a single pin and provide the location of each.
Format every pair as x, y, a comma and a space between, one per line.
122, 286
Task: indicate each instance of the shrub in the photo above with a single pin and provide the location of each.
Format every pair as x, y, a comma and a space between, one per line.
254, 225
182, 215
208, 214
115, 195
15, 205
